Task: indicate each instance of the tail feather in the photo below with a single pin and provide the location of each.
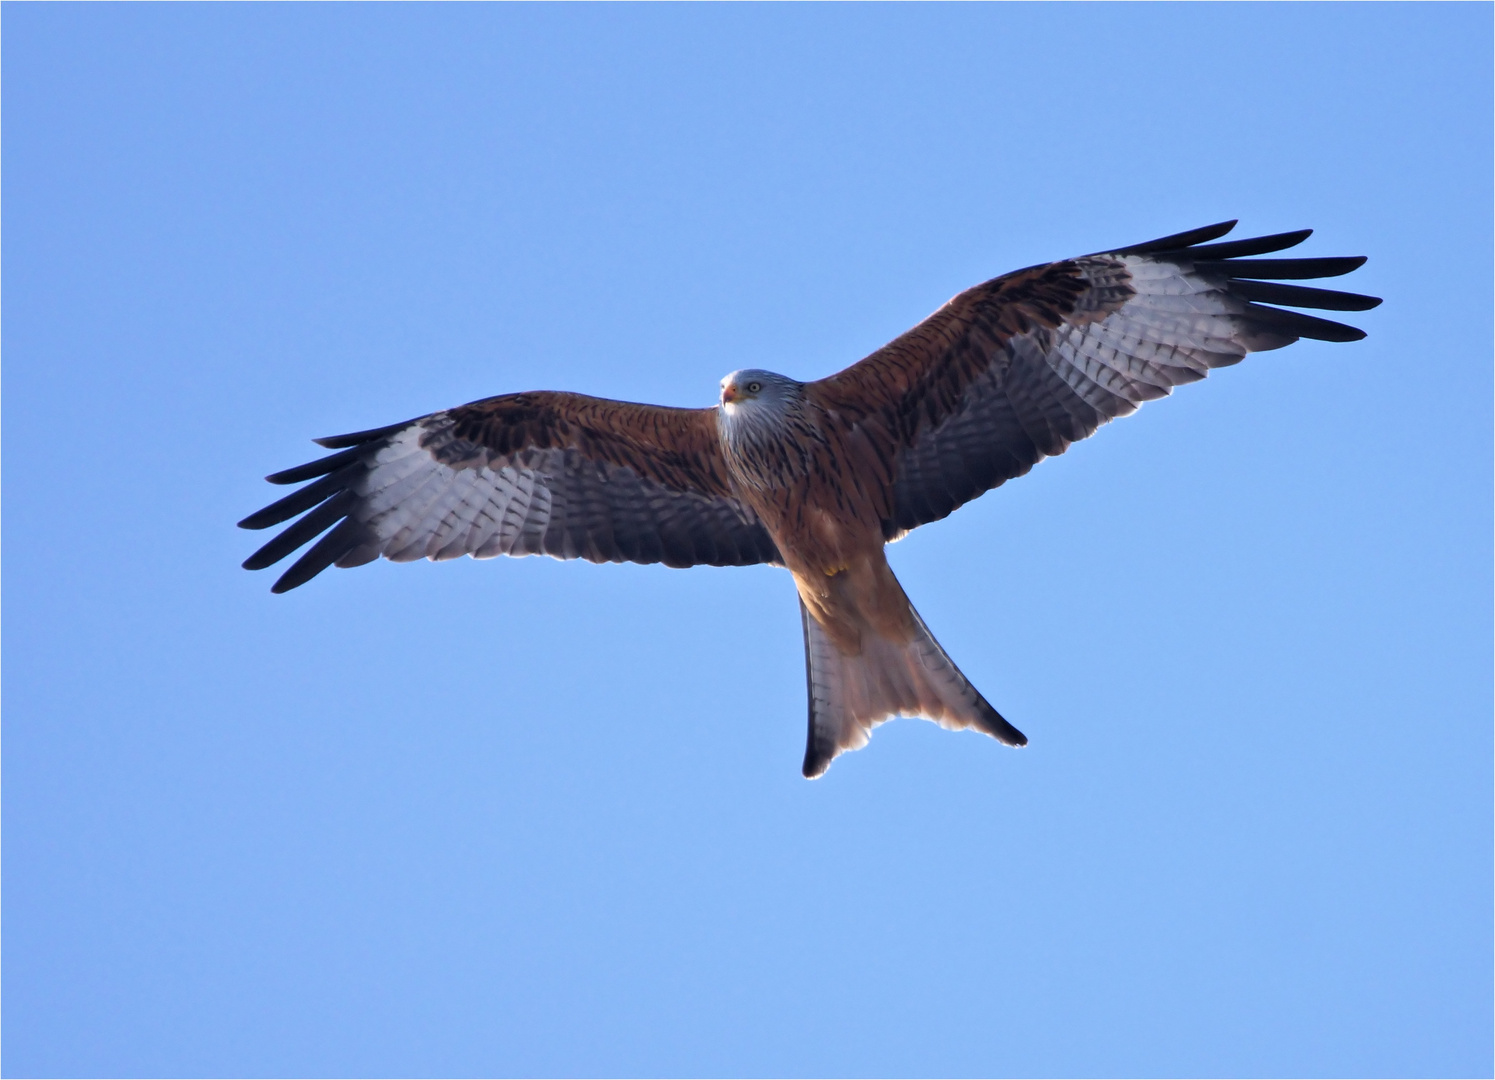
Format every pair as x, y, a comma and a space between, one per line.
850, 695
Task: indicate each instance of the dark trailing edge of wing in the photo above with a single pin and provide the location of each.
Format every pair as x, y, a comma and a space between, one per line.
358, 438
313, 469
1297, 325
323, 517
332, 499
1178, 241
299, 501
344, 538
351, 445
1271, 292
1280, 268
1243, 277
1260, 245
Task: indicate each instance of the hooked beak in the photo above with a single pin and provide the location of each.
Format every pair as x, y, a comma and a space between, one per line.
729, 393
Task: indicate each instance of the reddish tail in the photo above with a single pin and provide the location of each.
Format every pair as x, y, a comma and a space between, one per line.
850, 695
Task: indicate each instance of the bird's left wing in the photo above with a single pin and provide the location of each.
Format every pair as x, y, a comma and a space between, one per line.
541, 473
1018, 368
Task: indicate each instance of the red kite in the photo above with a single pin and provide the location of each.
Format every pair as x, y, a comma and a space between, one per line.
817, 477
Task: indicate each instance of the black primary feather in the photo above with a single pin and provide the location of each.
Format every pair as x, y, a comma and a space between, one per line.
1177, 241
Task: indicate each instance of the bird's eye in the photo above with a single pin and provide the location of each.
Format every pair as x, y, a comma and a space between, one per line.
754, 387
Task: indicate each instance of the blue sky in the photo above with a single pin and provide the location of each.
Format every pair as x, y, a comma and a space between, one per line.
527, 817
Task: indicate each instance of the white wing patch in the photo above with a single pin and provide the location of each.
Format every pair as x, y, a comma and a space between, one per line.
418, 508
1172, 331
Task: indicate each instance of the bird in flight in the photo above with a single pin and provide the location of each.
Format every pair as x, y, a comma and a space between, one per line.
817, 477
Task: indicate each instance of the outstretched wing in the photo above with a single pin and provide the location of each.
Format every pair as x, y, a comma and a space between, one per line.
524, 474
1016, 369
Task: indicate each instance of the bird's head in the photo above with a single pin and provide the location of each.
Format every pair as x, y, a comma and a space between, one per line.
752, 391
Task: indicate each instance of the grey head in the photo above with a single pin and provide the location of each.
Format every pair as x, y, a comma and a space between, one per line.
760, 418
752, 393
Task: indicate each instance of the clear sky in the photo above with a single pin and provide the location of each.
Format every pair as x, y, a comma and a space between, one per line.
523, 816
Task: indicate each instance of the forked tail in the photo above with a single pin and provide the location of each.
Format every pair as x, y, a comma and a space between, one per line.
850, 695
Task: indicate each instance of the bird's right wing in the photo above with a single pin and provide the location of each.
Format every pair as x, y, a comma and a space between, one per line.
1018, 368
541, 473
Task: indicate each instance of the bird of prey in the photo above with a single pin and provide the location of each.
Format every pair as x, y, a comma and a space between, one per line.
817, 477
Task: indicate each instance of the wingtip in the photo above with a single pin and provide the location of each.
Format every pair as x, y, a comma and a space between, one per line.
266, 556
1219, 228
358, 438
291, 476
1180, 241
